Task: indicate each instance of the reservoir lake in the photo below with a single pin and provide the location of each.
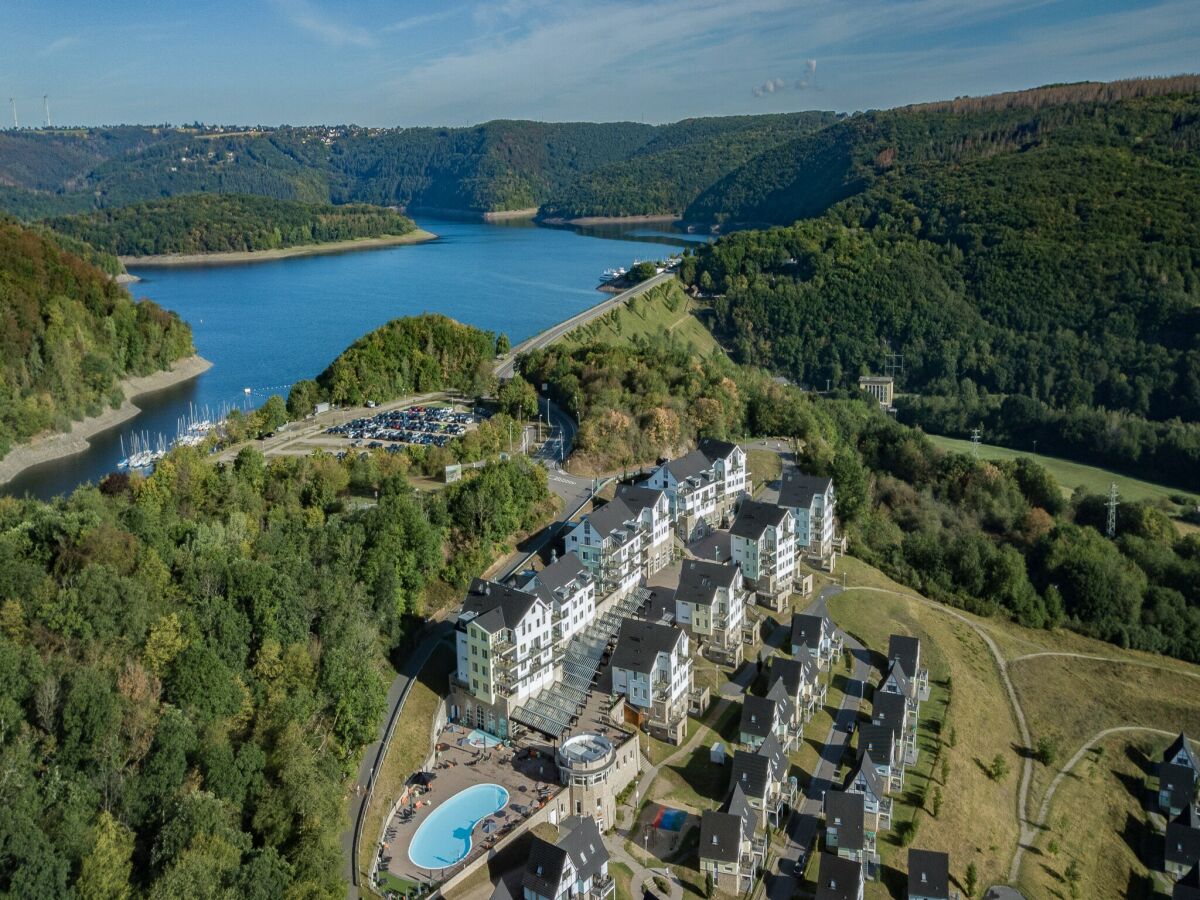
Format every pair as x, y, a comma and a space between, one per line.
266, 325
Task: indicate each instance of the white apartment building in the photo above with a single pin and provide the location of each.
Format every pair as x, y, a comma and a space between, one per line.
653, 511
610, 542
811, 500
652, 668
691, 487
762, 541
711, 603
569, 589
505, 645
730, 471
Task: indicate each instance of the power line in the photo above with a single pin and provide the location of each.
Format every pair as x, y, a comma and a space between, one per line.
976, 436
1112, 504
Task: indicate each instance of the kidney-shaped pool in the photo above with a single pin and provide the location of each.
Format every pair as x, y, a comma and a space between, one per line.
445, 837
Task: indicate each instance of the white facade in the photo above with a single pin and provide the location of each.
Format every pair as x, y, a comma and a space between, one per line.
614, 555
766, 551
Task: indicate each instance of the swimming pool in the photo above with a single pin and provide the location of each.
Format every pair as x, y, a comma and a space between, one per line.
445, 837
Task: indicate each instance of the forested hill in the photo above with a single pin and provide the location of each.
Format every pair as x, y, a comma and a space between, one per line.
1044, 283
500, 165
217, 223
666, 174
68, 334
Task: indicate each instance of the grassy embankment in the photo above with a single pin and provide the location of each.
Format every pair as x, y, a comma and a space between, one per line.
664, 310
1099, 815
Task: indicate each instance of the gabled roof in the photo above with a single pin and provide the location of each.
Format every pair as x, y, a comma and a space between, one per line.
583, 844
494, 606
754, 518
753, 771
878, 740
839, 879
808, 629
1183, 837
690, 465
865, 768
720, 836
611, 517
639, 643
544, 867
738, 804
1188, 887
889, 709
1181, 744
758, 715
1178, 782
699, 581
558, 580
846, 813
638, 497
796, 490
715, 449
788, 672
896, 673
928, 873
783, 700
906, 650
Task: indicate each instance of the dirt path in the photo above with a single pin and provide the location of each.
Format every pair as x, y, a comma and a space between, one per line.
1109, 659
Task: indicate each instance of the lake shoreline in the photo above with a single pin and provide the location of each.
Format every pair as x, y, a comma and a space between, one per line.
49, 447
241, 257
585, 221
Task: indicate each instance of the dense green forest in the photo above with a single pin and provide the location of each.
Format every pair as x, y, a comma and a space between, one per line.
993, 538
1047, 275
666, 174
220, 223
68, 335
498, 165
193, 662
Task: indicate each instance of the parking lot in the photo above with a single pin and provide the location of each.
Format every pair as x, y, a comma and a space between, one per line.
433, 426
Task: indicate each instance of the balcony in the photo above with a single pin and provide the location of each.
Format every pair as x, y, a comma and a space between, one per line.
602, 887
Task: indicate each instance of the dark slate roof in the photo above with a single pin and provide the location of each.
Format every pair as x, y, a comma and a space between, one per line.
1179, 782
720, 836
928, 873
905, 650
544, 867
1183, 838
839, 879
638, 497
689, 465
661, 604
611, 517
758, 715
715, 449
807, 629
1181, 743
788, 671
846, 813
903, 683
754, 518
495, 605
699, 581
1188, 887
878, 740
639, 643
583, 843
796, 489
501, 891
753, 771
888, 709
559, 575
716, 545
779, 694
866, 767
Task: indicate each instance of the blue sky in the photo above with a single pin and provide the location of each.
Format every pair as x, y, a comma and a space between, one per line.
404, 63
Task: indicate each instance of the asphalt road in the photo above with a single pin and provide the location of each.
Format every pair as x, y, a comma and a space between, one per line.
782, 884
504, 367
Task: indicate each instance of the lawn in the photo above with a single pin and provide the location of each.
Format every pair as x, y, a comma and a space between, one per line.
1099, 820
410, 745
623, 876
764, 466
1069, 475
662, 310
1102, 695
978, 817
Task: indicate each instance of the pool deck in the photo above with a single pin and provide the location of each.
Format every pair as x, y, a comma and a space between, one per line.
523, 779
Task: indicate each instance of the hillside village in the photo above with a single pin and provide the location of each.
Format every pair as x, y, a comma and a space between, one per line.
680, 600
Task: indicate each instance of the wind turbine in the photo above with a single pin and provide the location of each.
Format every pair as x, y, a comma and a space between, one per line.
46, 106
13, 102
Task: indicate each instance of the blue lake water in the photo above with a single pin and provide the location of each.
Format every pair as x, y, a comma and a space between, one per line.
267, 325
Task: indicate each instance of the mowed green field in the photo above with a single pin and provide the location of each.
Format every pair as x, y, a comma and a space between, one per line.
664, 310
1070, 475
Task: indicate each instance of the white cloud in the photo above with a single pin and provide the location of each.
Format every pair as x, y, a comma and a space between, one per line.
57, 46
308, 17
